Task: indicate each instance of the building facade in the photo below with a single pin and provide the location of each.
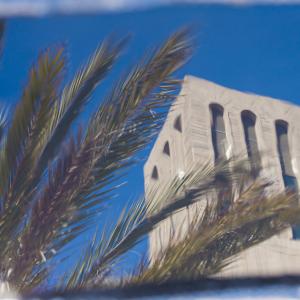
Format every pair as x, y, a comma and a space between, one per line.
207, 122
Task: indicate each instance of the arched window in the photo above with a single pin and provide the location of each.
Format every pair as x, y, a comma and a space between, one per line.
289, 179
218, 131
154, 174
249, 120
284, 154
166, 149
177, 124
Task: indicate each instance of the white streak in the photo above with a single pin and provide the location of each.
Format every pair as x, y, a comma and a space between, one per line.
43, 256
180, 174
229, 151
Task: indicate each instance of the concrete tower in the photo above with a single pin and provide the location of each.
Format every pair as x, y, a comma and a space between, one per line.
208, 121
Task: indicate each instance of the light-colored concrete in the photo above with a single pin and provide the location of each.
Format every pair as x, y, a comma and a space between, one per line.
279, 255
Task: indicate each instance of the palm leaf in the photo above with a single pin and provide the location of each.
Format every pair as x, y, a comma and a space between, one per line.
31, 143
88, 162
28, 122
213, 243
124, 124
76, 94
135, 223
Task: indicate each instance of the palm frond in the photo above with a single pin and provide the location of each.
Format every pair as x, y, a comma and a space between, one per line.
76, 94
111, 133
212, 243
135, 223
36, 125
60, 115
63, 113
28, 123
124, 124
88, 163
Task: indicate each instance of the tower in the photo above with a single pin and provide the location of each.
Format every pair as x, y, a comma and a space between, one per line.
208, 121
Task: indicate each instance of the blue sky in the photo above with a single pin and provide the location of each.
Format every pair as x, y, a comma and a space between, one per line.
249, 48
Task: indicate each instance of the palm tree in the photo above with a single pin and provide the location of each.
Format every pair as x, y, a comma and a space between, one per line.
56, 177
